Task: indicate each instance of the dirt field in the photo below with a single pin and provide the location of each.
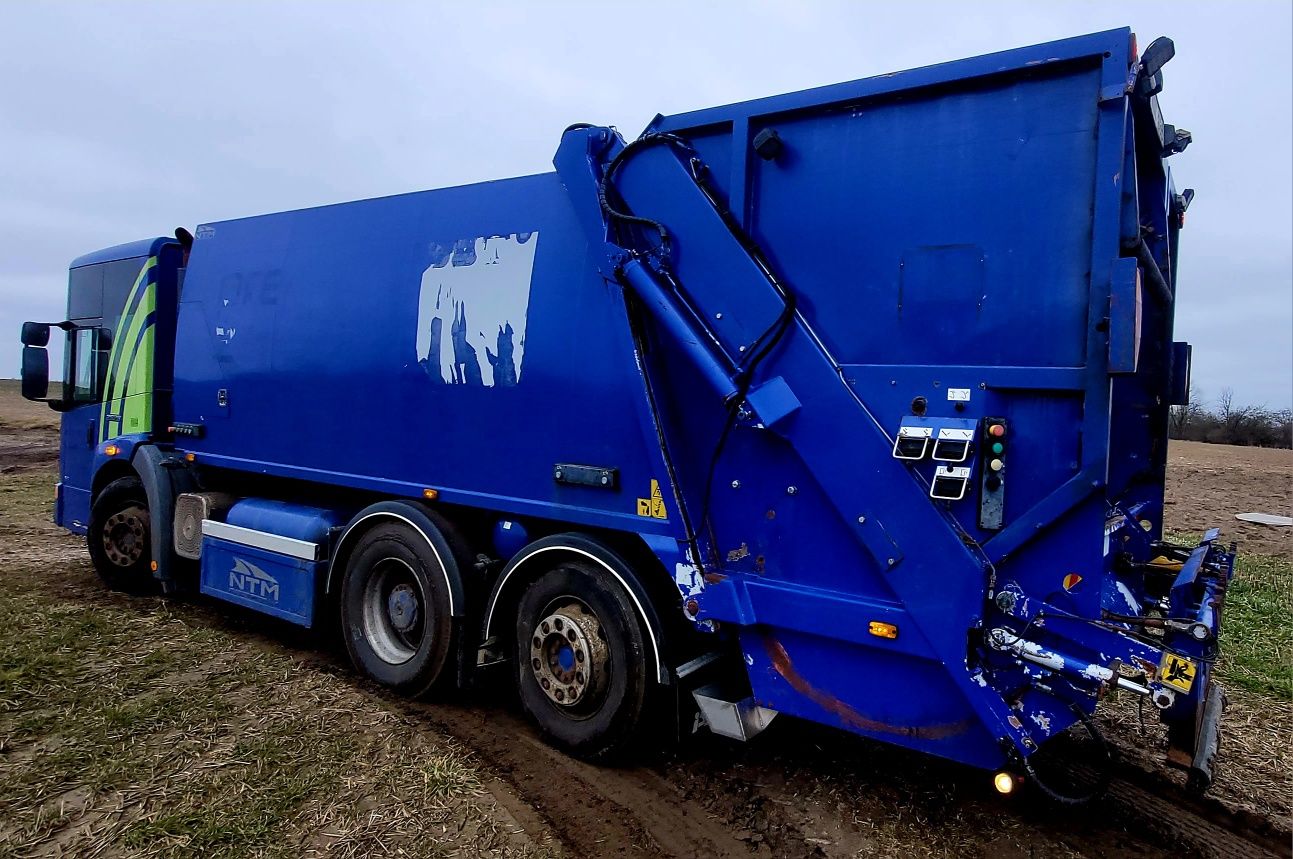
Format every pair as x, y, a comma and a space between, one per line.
133, 726
1207, 484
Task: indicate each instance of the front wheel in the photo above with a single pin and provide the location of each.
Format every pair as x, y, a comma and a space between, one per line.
119, 537
582, 671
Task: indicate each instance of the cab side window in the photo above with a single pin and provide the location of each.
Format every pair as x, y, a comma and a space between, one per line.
85, 292
84, 381
100, 291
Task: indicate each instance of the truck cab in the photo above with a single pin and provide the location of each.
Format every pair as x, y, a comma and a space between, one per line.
113, 391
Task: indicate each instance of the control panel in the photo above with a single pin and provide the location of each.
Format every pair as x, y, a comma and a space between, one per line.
949, 442
993, 481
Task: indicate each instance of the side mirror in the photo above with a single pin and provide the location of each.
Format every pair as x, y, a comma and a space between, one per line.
35, 369
35, 334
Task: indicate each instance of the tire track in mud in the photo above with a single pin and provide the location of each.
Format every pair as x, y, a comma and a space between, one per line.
593, 810
1199, 823
631, 812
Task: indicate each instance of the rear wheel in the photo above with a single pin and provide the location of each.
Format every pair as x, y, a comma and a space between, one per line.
581, 656
119, 537
395, 609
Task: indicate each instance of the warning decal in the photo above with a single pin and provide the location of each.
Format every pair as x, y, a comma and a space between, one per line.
1177, 672
653, 507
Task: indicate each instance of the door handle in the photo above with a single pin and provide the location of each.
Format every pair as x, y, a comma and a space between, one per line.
89, 433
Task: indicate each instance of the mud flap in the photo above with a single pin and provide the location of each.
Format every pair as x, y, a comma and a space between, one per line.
1193, 744
1207, 739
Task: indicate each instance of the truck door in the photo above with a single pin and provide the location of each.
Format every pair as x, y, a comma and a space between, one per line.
84, 359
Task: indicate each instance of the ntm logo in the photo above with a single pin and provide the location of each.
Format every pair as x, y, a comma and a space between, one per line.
252, 580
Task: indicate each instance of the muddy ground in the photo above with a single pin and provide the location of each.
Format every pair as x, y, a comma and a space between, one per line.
350, 770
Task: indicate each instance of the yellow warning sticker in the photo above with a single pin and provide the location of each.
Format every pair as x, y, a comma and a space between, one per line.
653, 507
1177, 672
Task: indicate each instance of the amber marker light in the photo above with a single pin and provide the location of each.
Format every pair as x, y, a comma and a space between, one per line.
190, 457
111, 450
882, 630
430, 494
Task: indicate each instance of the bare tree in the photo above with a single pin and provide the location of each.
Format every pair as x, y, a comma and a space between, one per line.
1225, 404
1228, 423
1182, 419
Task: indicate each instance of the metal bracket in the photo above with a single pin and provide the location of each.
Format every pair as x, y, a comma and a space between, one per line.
741, 720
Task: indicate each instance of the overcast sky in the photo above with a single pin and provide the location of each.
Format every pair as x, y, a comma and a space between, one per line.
121, 120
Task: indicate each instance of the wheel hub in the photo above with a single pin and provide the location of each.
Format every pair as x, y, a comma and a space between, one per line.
402, 607
568, 654
393, 609
125, 536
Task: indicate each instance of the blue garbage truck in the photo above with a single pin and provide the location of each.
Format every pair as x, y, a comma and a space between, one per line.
848, 405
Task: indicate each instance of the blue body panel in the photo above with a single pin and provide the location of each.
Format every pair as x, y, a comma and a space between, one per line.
320, 327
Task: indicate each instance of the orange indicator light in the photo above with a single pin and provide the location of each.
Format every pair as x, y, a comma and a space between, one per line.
430, 494
111, 450
882, 630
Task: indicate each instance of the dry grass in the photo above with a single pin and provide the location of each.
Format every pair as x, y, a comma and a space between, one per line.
18, 414
136, 727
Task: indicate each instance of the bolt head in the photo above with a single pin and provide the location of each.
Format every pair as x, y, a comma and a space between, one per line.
736, 484
861, 520
791, 490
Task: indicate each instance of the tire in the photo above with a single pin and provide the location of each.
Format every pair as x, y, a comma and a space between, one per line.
395, 608
571, 617
120, 537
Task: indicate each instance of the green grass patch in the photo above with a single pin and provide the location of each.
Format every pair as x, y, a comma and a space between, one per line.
1256, 630
1257, 627
276, 773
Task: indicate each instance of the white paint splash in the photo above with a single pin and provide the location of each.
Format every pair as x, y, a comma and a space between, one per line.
1133, 605
688, 579
484, 300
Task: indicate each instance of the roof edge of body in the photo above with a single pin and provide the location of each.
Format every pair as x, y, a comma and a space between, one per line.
129, 250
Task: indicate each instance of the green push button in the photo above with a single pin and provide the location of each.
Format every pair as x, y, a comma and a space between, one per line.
996, 447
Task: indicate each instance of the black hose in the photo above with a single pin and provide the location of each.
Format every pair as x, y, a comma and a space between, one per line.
1153, 273
755, 352
1102, 780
